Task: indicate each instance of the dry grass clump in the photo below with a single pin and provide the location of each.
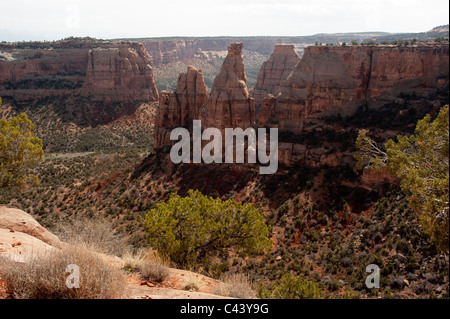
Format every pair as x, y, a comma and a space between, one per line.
44, 277
148, 263
193, 284
154, 271
93, 233
236, 286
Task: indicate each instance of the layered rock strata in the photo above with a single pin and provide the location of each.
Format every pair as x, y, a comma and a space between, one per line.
106, 77
230, 104
181, 106
120, 74
332, 82
274, 72
336, 80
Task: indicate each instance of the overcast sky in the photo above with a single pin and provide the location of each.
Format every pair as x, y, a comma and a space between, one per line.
56, 19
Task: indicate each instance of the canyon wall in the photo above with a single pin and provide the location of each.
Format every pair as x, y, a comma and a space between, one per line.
164, 51
328, 82
336, 80
332, 83
183, 49
181, 106
274, 72
120, 74
96, 73
230, 104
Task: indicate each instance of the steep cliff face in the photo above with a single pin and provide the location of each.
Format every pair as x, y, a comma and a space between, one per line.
336, 80
18, 65
95, 73
265, 111
120, 74
230, 104
274, 72
180, 107
185, 49
328, 83
164, 52
421, 69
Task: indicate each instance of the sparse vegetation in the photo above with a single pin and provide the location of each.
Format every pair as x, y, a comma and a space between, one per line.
153, 270
166, 74
20, 152
421, 161
99, 190
293, 287
148, 263
195, 229
236, 286
94, 233
192, 284
44, 277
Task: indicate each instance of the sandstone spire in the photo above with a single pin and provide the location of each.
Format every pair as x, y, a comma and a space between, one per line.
181, 106
274, 72
230, 104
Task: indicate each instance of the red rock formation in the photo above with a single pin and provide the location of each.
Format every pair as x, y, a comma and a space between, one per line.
183, 50
168, 51
230, 104
336, 80
180, 107
331, 80
274, 72
120, 74
89, 72
327, 81
15, 66
266, 109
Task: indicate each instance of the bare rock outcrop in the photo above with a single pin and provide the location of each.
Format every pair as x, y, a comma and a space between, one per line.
21, 247
266, 109
19, 221
165, 51
103, 79
230, 104
328, 81
22, 237
336, 80
181, 106
120, 74
274, 72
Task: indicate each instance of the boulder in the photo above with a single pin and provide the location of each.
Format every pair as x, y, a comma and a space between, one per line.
21, 247
19, 221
